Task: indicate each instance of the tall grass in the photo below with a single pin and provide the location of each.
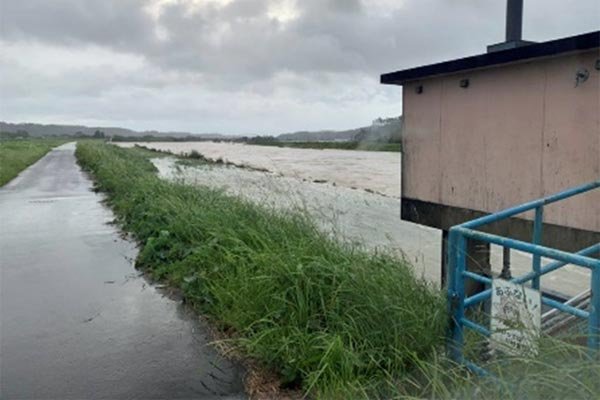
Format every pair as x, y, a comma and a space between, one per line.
18, 154
561, 370
331, 319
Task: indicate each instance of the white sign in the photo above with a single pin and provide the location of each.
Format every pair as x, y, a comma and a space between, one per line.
515, 321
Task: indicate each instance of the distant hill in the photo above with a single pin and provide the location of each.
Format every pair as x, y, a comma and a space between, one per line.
37, 130
381, 130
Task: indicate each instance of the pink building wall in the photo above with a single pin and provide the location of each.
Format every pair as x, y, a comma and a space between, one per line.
517, 133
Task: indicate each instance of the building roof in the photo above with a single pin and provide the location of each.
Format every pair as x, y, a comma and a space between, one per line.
529, 52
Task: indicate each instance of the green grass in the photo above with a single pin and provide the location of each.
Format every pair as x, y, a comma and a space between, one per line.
16, 155
364, 146
332, 320
560, 371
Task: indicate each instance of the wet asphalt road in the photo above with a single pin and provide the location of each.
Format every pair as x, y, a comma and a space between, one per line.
76, 319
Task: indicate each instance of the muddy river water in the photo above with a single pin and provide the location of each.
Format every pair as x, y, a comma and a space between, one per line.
371, 170
351, 194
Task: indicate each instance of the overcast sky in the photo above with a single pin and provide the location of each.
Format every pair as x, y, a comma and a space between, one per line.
241, 66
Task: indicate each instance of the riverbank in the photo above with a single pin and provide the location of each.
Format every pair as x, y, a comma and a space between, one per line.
331, 319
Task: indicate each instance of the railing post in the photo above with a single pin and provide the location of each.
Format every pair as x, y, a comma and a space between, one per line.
451, 293
594, 319
445, 273
456, 292
537, 239
506, 274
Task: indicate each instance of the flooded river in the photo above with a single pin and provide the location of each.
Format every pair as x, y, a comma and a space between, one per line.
377, 171
361, 216
366, 219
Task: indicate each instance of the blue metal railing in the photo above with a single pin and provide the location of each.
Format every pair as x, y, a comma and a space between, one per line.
457, 244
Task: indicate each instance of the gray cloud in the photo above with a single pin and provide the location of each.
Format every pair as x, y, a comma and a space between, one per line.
239, 52
114, 23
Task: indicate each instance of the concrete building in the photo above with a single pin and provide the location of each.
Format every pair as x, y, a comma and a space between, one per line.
491, 131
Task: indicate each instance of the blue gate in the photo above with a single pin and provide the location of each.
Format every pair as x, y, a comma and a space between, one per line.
457, 243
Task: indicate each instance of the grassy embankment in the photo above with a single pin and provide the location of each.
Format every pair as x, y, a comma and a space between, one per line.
364, 146
332, 320
16, 155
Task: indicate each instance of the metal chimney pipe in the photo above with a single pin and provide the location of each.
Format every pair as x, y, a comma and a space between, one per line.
514, 28
514, 20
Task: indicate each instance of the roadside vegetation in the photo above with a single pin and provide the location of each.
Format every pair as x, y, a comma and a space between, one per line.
561, 370
331, 320
18, 154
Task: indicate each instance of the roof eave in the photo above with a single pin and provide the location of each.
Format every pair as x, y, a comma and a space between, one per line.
582, 42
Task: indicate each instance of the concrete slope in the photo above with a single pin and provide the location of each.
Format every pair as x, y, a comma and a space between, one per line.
76, 319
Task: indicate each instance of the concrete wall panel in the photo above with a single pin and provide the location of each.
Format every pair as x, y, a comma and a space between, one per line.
571, 150
516, 133
422, 165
